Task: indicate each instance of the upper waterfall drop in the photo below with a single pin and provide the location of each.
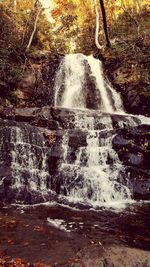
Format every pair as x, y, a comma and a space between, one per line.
80, 83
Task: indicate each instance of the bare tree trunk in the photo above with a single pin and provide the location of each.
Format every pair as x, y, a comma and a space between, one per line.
25, 29
97, 25
34, 29
104, 23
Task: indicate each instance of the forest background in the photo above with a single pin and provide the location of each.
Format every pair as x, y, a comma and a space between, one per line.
34, 31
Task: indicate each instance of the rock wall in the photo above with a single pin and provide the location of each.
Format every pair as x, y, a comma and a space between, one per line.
31, 152
133, 148
37, 83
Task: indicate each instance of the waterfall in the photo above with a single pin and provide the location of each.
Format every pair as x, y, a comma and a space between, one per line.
80, 165
96, 173
28, 159
93, 177
70, 75
106, 91
72, 90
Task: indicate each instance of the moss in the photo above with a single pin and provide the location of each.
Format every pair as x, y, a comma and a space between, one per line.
14, 98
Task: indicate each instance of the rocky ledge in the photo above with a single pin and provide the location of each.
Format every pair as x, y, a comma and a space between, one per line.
31, 150
133, 147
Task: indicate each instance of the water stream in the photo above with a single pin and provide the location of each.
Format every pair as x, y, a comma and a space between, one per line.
94, 176
82, 166
72, 89
68, 188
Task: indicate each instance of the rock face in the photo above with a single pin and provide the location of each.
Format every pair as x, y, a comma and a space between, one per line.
24, 172
36, 86
133, 148
33, 145
45, 83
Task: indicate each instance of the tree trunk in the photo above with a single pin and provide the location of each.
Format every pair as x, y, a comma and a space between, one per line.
34, 29
97, 25
104, 23
25, 29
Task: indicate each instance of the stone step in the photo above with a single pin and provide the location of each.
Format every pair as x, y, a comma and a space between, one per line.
61, 118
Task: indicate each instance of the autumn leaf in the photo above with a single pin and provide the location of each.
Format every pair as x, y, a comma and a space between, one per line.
39, 264
38, 228
10, 241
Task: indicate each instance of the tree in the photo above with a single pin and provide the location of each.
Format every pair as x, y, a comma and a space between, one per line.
97, 26
132, 13
34, 28
39, 9
104, 23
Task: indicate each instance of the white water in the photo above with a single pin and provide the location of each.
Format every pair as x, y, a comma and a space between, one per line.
70, 75
92, 179
97, 72
94, 176
60, 224
28, 164
70, 84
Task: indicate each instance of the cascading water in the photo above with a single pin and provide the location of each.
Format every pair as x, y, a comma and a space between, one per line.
70, 75
81, 164
72, 89
24, 152
94, 176
28, 159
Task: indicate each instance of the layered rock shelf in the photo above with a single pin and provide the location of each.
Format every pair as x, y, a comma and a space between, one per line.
36, 135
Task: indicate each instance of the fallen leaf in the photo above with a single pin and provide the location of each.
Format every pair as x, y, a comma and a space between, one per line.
38, 228
10, 241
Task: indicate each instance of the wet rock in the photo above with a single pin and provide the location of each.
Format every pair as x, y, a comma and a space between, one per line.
132, 159
62, 118
91, 94
31, 156
24, 170
77, 139
40, 117
133, 99
45, 84
36, 86
129, 73
139, 182
132, 145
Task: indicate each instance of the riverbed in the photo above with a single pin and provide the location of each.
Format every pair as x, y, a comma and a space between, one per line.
57, 235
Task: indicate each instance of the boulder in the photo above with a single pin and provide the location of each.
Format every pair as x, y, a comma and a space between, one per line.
133, 147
